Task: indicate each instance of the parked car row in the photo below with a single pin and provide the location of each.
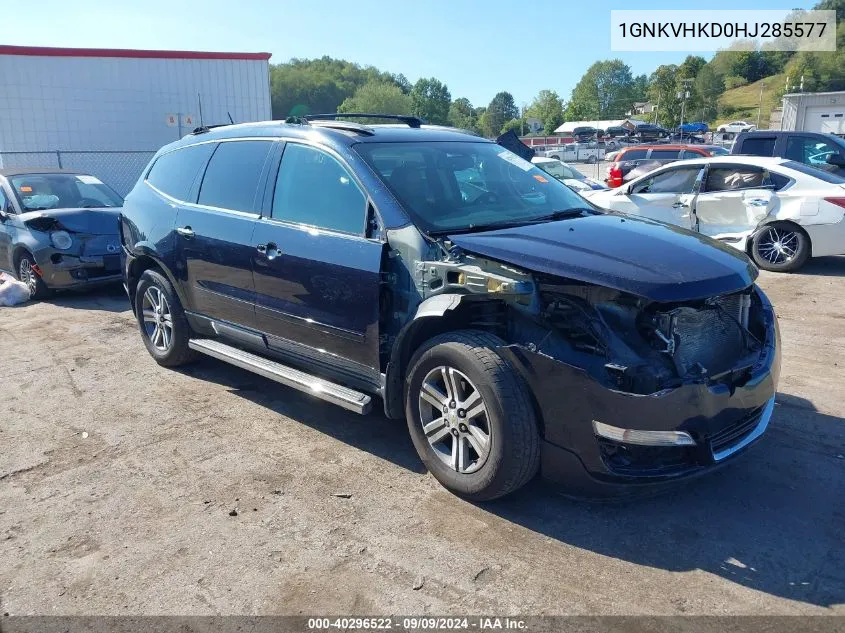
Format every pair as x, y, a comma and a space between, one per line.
612, 339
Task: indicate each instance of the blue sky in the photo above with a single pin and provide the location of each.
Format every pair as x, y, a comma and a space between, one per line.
476, 47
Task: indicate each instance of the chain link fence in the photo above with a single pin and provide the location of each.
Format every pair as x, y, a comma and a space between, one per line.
118, 169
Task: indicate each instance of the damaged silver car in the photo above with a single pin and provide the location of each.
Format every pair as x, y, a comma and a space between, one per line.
58, 229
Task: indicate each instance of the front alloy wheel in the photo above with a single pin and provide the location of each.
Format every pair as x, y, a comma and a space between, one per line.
470, 415
158, 320
28, 273
454, 419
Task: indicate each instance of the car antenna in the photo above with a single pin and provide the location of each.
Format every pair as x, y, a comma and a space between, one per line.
199, 102
229, 114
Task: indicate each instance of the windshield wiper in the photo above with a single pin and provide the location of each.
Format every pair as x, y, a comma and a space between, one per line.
562, 214
493, 226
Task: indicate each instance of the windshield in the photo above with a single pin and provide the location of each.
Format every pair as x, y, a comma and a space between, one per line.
63, 191
455, 186
718, 151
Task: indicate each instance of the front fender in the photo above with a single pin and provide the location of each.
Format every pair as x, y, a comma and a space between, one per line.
427, 314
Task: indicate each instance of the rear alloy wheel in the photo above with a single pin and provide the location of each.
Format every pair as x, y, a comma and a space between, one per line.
162, 321
781, 247
28, 273
470, 416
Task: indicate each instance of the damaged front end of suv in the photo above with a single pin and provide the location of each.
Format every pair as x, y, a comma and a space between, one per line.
633, 382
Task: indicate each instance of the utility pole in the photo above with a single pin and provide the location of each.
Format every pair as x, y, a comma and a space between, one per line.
760, 103
683, 95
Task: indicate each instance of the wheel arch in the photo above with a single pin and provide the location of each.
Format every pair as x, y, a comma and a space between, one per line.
435, 316
141, 263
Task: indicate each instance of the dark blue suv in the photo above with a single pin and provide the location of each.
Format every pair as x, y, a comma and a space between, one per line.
513, 325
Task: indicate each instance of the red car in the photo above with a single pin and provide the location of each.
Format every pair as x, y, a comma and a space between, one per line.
636, 160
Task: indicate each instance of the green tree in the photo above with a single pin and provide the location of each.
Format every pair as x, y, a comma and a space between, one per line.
462, 115
547, 108
402, 82
501, 110
378, 96
662, 91
639, 90
430, 100
604, 92
517, 125
708, 86
691, 66
308, 86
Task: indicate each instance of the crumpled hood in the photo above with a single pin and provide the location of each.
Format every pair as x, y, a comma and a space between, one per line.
636, 255
90, 221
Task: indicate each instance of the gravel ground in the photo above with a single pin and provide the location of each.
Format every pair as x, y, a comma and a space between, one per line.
126, 488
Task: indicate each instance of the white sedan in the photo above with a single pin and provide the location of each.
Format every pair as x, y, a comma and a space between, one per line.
779, 211
736, 127
567, 174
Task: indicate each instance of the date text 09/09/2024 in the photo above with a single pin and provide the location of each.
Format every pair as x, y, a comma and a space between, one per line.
417, 623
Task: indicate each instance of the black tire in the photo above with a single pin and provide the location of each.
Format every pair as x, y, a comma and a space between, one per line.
169, 351
791, 235
25, 271
513, 457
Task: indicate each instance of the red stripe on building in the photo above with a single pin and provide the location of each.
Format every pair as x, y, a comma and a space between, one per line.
48, 51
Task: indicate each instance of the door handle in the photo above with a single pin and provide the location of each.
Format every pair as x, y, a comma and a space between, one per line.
269, 250
679, 205
185, 231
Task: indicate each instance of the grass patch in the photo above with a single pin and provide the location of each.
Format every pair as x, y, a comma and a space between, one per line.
742, 102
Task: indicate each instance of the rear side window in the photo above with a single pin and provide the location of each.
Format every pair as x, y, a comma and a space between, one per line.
733, 178
758, 146
665, 153
313, 188
821, 174
174, 173
633, 154
232, 176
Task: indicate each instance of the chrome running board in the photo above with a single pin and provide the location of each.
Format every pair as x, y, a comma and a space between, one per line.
323, 389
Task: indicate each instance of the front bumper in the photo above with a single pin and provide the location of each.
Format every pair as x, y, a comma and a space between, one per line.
63, 270
724, 418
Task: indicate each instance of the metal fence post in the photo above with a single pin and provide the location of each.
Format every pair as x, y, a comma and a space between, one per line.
59, 158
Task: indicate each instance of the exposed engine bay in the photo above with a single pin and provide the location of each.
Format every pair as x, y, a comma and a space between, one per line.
624, 341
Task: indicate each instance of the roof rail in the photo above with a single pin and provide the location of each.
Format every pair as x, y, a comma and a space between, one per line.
205, 128
410, 121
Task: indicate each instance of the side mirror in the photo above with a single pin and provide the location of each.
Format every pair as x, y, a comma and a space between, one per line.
837, 160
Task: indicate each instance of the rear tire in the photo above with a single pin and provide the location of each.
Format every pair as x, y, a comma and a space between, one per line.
470, 416
161, 319
25, 270
781, 247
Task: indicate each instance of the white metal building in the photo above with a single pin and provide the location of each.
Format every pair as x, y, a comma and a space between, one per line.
106, 111
568, 126
814, 112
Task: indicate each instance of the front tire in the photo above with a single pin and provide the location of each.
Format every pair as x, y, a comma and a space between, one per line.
161, 319
27, 273
781, 247
470, 416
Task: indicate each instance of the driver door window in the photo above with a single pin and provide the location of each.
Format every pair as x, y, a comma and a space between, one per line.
314, 189
672, 181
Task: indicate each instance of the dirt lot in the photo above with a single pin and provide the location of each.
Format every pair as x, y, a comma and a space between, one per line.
118, 480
